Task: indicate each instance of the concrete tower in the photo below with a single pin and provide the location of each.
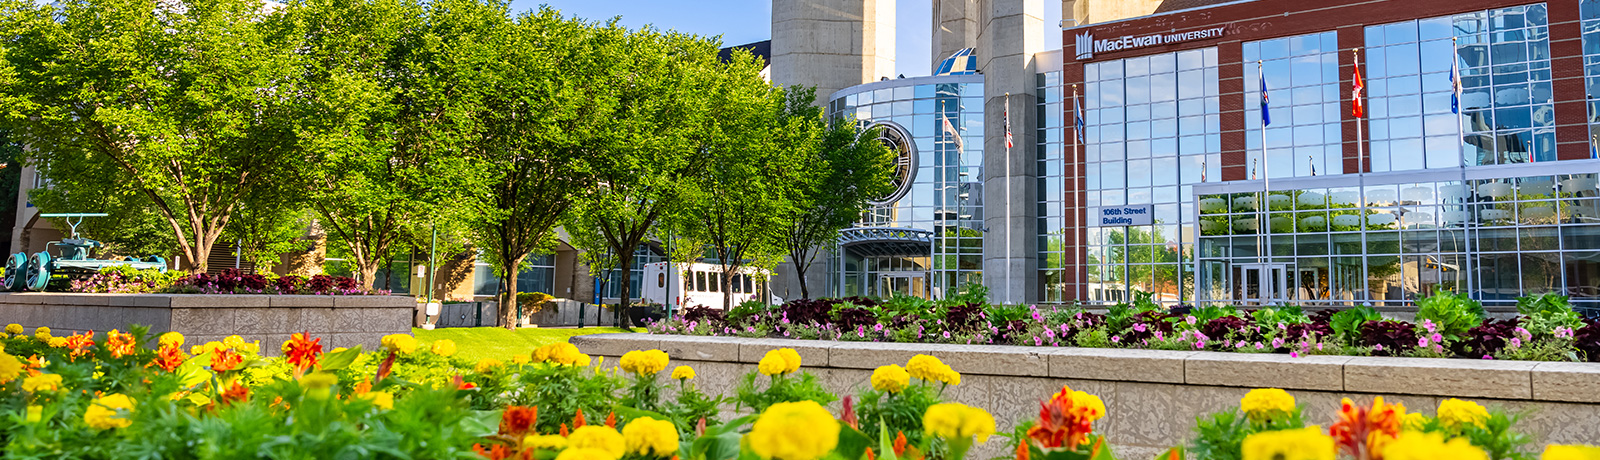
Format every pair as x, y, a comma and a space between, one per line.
832, 44
955, 26
1012, 34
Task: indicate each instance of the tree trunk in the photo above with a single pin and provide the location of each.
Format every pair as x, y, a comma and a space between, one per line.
507, 297
801, 272
727, 292
625, 264
369, 273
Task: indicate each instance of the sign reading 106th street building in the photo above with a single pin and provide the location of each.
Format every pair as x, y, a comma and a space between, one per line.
1121, 216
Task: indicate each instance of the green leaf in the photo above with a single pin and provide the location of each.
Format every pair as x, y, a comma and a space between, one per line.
852, 442
339, 360
885, 445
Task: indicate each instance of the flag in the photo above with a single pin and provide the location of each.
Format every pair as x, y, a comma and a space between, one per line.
1313, 162
1006, 116
1358, 109
1202, 170
1266, 115
1455, 84
1594, 151
1077, 119
950, 130
1253, 168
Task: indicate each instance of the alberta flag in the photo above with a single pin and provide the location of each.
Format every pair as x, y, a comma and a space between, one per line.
1455, 85
1266, 115
1077, 115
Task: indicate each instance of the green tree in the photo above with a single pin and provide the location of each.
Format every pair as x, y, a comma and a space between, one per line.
842, 169
532, 101
661, 114
744, 193
378, 165
192, 104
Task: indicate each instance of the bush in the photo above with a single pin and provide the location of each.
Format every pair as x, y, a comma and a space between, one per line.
1452, 314
125, 279
1388, 337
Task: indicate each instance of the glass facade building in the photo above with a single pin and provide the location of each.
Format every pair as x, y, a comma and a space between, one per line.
927, 238
1474, 169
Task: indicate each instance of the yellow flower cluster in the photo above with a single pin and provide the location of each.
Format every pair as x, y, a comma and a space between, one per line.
14, 329
232, 342
545, 442
402, 343
1456, 414
598, 437
931, 369
10, 367
562, 353
1413, 421
486, 365
382, 399
954, 421
42, 334
104, 413
891, 378
318, 380
650, 437
172, 339
647, 362
444, 347
1416, 445
801, 430
780, 361
42, 382
1298, 444
1090, 406
683, 373
1555, 452
584, 454
1265, 403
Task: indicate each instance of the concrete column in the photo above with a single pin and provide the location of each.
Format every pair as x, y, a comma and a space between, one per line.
1013, 31
832, 44
955, 26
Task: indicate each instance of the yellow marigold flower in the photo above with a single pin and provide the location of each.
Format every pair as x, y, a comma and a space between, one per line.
207, 347
1264, 403
683, 373
545, 441
35, 413
42, 382
801, 430
58, 342
958, 421
444, 347
1555, 452
648, 362
891, 378
382, 399
10, 367
561, 353
1455, 414
14, 329
1307, 443
1416, 445
109, 411
519, 359
171, 339
585, 454
486, 365
42, 334
599, 437
318, 380
403, 343
1413, 421
233, 341
650, 437
949, 376
780, 361
925, 368
791, 359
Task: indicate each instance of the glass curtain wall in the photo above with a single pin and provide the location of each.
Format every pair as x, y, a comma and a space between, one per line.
1153, 131
1302, 74
538, 277
1590, 10
946, 197
1054, 112
1503, 56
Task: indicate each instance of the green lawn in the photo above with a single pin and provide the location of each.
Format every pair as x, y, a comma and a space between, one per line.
499, 343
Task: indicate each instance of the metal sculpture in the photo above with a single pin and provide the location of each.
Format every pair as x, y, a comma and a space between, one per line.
24, 273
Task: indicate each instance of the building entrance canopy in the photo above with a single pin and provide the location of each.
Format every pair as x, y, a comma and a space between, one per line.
887, 241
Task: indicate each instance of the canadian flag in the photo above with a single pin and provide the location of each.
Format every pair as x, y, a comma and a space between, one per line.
1358, 109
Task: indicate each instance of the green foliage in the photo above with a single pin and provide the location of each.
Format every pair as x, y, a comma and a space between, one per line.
1270, 317
898, 412
1347, 323
739, 314
748, 394
1120, 316
1210, 312
125, 279
1220, 436
558, 391
1001, 314
970, 293
1545, 312
1454, 314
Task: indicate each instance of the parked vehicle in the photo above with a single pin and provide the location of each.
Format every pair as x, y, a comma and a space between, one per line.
693, 284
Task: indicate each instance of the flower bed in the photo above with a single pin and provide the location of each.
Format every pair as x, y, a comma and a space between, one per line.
106, 396
1447, 325
120, 279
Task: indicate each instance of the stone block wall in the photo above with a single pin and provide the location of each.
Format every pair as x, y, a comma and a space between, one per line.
1153, 397
342, 321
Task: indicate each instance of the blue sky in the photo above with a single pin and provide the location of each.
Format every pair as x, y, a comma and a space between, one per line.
745, 21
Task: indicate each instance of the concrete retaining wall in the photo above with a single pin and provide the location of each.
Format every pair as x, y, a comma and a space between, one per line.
1154, 396
342, 321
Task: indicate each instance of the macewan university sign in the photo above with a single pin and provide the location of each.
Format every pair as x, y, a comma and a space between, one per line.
1086, 45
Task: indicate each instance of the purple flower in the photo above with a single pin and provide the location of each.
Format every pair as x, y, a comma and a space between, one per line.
1487, 357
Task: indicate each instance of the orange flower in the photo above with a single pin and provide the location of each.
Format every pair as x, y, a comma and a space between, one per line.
35, 363
235, 393
80, 344
1067, 419
517, 421
224, 359
498, 452
564, 431
577, 420
168, 358
120, 343
611, 419
302, 352
899, 443
1361, 432
1022, 450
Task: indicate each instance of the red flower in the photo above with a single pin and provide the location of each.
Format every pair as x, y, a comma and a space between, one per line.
80, 344
611, 419
302, 351
119, 343
1022, 450
848, 414
577, 420
169, 358
235, 393
1066, 420
1361, 432
224, 359
518, 421
899, 443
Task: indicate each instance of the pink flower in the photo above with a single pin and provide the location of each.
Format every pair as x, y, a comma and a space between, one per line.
1276, 343
1158, 335
1241, 344
1116, 339
947, 334
1422, 342
1294, 354
1319, 346
1139, 327
1437, 338
1191, 320
1200, 344
1487, 357
1378, 347
1258, 346
1037, 341
1516, 343
1438, 348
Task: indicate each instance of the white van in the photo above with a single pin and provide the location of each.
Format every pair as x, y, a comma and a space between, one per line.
693, 284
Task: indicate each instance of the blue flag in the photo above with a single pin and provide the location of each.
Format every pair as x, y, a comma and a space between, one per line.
1077, 114
1455, 85
1266, 115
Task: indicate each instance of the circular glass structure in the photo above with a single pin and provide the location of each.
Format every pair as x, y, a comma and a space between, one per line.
905, 161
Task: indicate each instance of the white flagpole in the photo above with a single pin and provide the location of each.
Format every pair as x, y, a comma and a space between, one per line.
1265, 226
1077, 156
1468, 190
1007, 184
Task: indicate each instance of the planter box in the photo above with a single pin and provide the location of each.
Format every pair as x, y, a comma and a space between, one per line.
342, 321
1153, 396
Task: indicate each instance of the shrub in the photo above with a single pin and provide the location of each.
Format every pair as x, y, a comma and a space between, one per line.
1486, 339
1389, 337
125, 279
1453, 314
1546, 312
1347, 324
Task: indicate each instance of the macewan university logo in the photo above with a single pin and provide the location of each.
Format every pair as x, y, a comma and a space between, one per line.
1086, 45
